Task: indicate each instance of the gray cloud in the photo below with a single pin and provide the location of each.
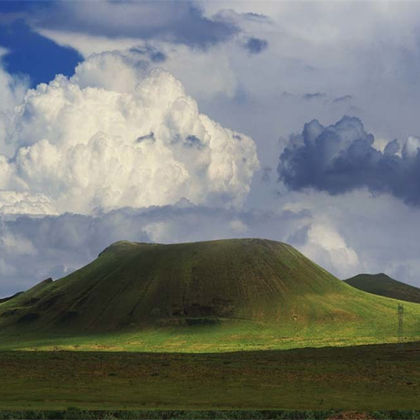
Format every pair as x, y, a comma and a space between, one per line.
316, 95
255, 45
181, 22
344, 98
341, 157
150, 52
259, 17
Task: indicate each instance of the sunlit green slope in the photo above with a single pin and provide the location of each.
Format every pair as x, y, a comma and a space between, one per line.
206, 296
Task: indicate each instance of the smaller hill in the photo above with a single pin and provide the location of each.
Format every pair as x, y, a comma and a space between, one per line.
5, 299
383, 285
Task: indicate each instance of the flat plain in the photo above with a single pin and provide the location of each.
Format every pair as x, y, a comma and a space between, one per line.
373, 377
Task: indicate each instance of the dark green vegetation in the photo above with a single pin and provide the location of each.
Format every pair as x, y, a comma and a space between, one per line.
78, 414
200, 297
383, 285
376, 377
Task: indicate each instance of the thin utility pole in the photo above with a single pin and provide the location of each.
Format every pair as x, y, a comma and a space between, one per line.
400, 323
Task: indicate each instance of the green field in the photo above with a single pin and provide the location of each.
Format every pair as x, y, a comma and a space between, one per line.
226, 337
378, 377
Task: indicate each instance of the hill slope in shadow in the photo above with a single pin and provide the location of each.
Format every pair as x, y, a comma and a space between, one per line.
383, 285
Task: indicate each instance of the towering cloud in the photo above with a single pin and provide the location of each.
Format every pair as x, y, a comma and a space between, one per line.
118, 134
342, 157
12, 92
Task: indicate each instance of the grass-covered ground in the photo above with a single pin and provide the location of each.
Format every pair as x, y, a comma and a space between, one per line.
73, 413
224, 337
376, 377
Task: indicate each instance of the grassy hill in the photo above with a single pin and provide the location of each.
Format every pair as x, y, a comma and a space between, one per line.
207, 296
383, 285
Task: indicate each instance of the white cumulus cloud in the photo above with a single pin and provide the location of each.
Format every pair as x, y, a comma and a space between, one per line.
12, 202
328, 248
12, 91
118, 134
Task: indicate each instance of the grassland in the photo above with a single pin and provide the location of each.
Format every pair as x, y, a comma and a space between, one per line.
383, 377
224, 337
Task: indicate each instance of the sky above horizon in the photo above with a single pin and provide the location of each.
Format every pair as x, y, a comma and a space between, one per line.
173, 121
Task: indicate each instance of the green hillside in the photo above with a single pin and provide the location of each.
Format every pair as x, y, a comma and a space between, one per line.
383, 285
207, 296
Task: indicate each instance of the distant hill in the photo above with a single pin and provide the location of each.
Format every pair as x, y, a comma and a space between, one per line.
226, 294
5, 299
381, 284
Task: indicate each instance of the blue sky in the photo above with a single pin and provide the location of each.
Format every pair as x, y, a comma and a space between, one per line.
33, 55
189, 120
